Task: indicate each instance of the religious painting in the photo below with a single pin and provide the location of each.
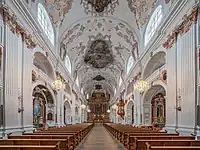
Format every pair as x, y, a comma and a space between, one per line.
36, 109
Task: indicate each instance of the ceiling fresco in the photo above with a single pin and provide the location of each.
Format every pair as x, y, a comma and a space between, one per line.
98, 46
98, 78
98, 36
99, 53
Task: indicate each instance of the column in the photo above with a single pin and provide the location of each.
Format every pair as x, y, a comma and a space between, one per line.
59, 109
12, 81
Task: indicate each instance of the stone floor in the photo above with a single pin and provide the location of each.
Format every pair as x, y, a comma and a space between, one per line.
99, 139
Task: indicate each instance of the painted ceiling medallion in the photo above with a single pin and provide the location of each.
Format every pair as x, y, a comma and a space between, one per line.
99, 7
141, 9
99, 52
98, 87
99, 78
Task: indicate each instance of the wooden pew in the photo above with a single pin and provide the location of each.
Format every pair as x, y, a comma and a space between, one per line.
141, 144
130, 144
51, 139
150, 147
136, 138
61, 143
71, 140
27, 147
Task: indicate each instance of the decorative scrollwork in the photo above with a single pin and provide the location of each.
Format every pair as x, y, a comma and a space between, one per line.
99, 7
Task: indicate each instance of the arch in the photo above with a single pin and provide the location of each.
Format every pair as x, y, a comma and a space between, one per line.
68, 64
45, 22
129, 64
43, 106
155, 62
129, 88
40, 82
130, 112
152, 100
67, 112
67, 88
153, 24
76, 114
42, 63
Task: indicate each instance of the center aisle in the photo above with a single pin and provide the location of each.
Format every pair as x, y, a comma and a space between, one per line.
99, 139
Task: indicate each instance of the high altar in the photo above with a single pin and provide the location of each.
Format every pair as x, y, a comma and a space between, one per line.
98, 104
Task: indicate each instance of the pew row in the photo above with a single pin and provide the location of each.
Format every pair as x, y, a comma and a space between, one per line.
55, 138
134, 138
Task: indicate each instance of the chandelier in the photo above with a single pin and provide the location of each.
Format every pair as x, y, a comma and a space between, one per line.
141, 86
83, 106
108, 111
57, 84
99, 7
114, 107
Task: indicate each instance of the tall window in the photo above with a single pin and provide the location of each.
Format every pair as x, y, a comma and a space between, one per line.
45, 23
120, 81
153, 23
77, 81
129, 64
68, 64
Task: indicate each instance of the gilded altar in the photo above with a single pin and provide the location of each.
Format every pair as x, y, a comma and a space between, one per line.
98, 104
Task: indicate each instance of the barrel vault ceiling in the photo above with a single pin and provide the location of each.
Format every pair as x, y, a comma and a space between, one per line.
99, 36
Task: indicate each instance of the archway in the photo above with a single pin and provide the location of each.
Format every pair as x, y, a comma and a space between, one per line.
130, 112
67, 113
76, 115
156, 61
42, 63
43, 106
155, 106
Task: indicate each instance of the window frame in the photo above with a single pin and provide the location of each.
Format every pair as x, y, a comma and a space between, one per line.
68, 64
153, 24
45, 23
129, 64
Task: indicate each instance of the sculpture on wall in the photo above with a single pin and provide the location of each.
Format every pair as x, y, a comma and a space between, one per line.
63, 51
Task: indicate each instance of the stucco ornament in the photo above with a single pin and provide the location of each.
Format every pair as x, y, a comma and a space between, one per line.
141, 9
99, 7
57, 9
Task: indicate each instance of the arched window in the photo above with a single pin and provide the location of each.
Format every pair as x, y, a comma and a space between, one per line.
154, 21
45, 23
77, 81
129, 64
120, 81
68, 64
